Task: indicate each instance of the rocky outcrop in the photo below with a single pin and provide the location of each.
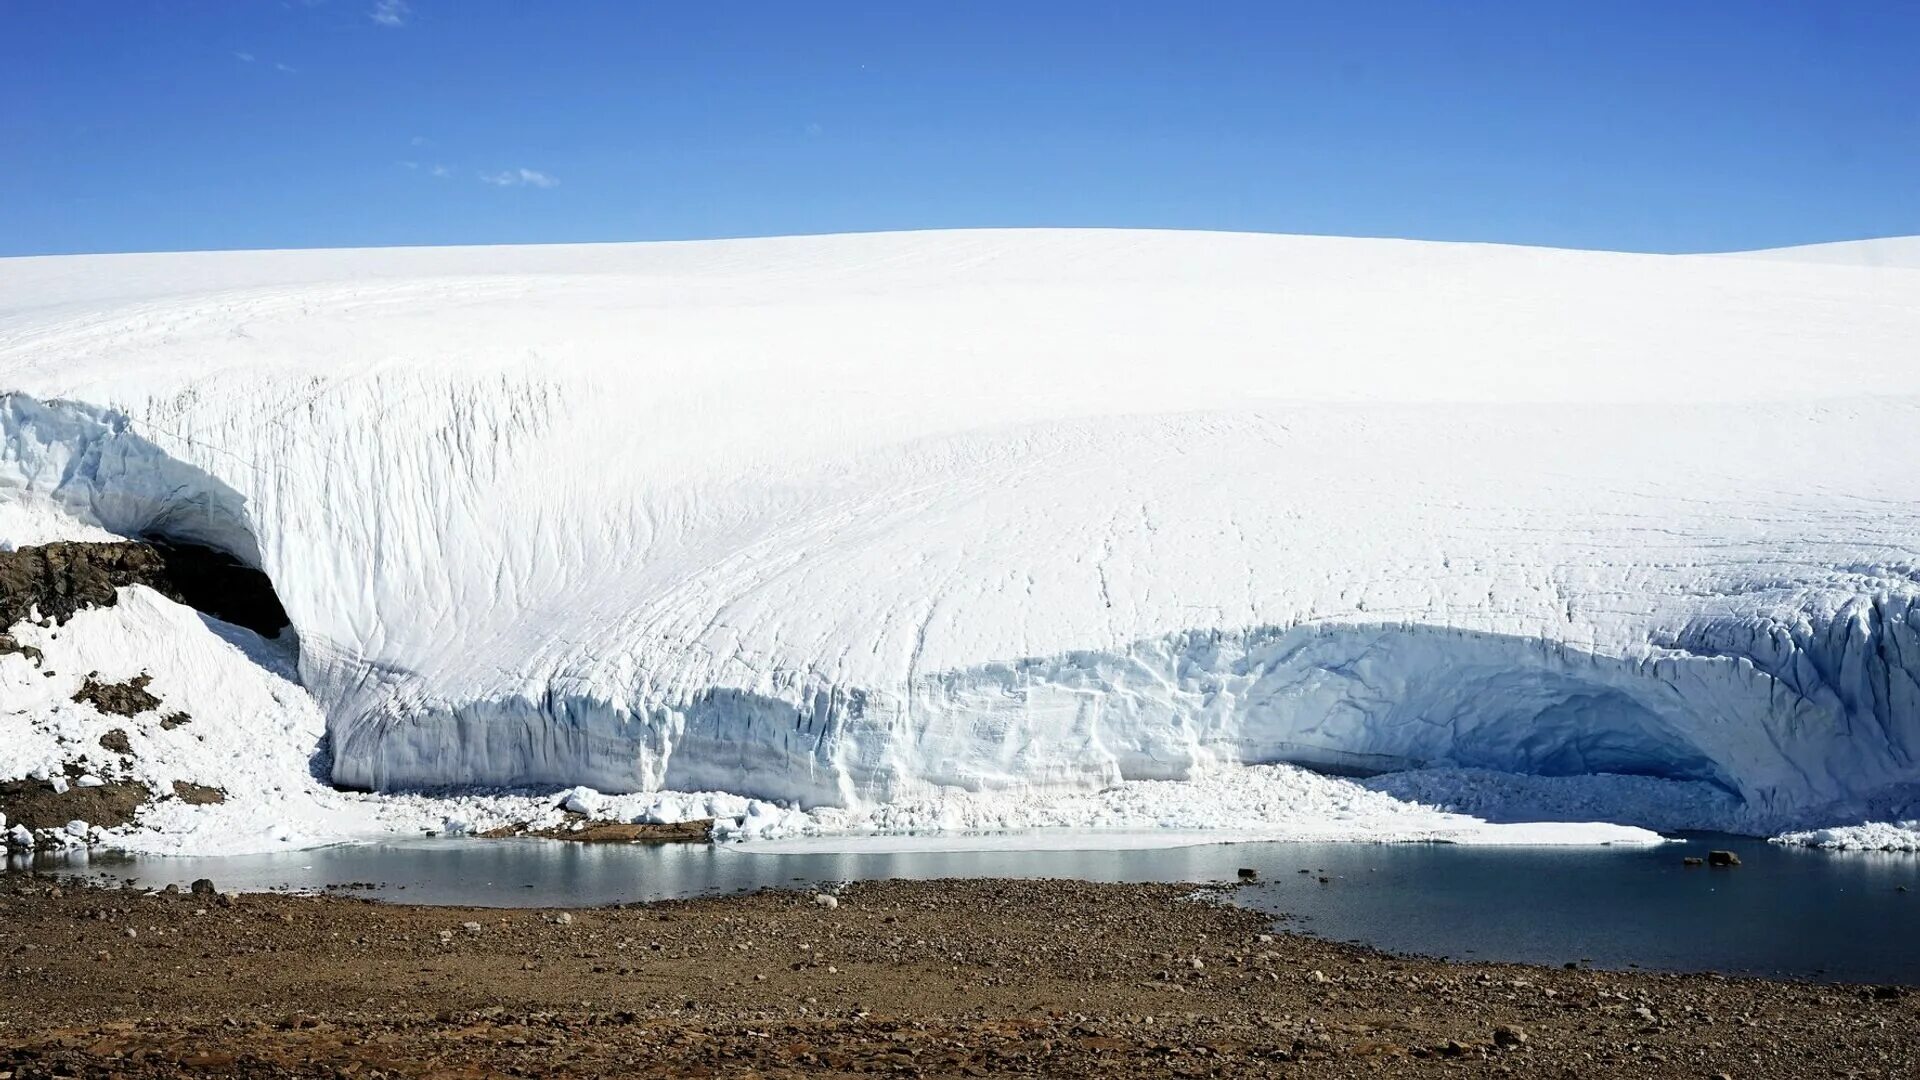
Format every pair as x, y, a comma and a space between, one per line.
56, 580
42, 804
128, 698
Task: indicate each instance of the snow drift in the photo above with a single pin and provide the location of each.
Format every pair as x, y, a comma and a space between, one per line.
843, 520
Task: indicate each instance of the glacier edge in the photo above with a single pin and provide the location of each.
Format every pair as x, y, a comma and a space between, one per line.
836, 521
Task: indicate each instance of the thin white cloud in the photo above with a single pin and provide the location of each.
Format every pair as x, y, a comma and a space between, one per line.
520, 178
392, 13
249, 58
441, 171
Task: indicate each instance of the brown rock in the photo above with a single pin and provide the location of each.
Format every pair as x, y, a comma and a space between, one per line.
128, 698
198, 794
35, 804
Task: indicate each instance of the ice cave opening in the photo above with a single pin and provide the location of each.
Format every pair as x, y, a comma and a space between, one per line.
217, 583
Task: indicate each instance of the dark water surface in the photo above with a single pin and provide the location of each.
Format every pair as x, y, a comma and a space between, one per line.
1784, 912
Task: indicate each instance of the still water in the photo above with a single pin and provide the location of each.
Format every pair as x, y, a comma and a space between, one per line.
1784, 912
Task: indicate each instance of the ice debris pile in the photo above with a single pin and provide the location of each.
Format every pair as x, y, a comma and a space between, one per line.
847, 523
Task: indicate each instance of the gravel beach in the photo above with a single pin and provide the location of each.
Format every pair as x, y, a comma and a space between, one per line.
941, 978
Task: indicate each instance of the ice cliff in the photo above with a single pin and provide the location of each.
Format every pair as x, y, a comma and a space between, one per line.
846, 519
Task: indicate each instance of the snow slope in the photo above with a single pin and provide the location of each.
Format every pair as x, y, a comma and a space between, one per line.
848, 520
1893, 252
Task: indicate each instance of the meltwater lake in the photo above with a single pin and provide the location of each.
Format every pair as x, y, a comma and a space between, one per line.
1785, 912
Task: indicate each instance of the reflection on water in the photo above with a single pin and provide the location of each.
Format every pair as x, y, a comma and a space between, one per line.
1786, 911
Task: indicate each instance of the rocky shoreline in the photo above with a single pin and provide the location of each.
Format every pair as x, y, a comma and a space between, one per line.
942, 978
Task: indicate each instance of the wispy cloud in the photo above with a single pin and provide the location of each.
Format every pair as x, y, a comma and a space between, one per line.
392, 13
520, 178
249, 58
441, 171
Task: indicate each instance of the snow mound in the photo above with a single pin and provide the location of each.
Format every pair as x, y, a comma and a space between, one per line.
1868, 836
1894, 252
851, 521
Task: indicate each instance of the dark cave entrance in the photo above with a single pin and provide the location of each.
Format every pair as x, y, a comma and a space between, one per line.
211, 581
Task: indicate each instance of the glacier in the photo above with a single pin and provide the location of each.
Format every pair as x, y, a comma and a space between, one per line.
852, 521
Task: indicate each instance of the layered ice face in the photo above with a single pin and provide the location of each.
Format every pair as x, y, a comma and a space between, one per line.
847, 520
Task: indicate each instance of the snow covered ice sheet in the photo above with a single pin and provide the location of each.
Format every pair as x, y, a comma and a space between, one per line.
855, 522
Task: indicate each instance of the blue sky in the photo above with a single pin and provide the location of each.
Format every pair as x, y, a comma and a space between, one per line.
129, 125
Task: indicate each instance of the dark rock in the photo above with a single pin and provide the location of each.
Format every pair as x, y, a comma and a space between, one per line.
128, 698
35, 804
615, 832
9, 645
116, 741
203, 887
1722, 858
1508, 1036
1693, 860
62, 578
198, 794
173, 720
1248, 873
